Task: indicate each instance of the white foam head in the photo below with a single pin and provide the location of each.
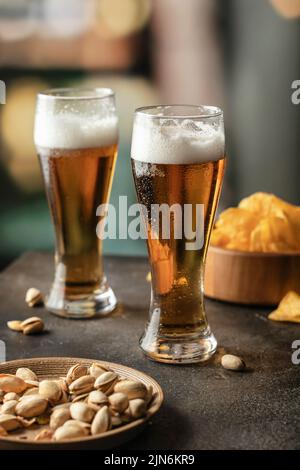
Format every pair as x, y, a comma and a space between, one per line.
177, 141
75, 125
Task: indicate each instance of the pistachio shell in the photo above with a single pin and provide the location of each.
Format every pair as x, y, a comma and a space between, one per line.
9, 407
9, 422
15, 325
97, 369
137, 407
149, 395
102, 421
26, 423
70, 432
82, 412
105, 381
10, 396
30, 392
44, 435
50, 390
76, 371
79, 397
31, 406
11, 383
133, 389
27, 375
82, 385
32, 325
33, 297
59, 417
119, 402
233, 363
96, 397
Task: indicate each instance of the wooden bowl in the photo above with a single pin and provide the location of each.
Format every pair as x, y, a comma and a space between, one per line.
251, 278
54, 367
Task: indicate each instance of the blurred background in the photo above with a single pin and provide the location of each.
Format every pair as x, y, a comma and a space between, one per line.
238, 54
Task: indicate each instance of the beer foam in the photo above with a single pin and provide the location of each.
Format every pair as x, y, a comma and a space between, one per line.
71, 131
177, 142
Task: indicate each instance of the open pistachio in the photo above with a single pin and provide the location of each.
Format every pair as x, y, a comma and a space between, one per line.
105, 381
133, 389
102, 421
15, 325
97, 369
31, 406
32, 325
82, 385
82, 412
27, 375
59, 417
96, 397
33, 297
118, 401
76, 371
11, 383
50, 390
10, 396
9, 422
9, 407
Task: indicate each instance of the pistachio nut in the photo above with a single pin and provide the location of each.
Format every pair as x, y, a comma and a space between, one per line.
9, 407
10, 396
97, 369
102, 421
137, 407
131, 388
96, 397
82, 412
62, 406
59, 417
30, 392
76, 371
233, 363
31, 406
50, 390
27, 375
9, 422
44, 418
118, 401
105, 381
116, 421
15, 325
11, 383
32, 325
33, 297
82, 385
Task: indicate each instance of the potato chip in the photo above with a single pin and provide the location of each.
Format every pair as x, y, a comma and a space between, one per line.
262, 223
288, 309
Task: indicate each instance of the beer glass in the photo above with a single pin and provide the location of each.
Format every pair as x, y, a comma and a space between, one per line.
178, 162
76, 136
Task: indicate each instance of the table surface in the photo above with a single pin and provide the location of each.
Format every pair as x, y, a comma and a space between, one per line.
205, 406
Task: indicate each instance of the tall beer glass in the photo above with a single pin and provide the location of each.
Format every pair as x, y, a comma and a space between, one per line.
76, 136
178, 161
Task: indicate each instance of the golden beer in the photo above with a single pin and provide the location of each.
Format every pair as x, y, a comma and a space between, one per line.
173, 172
77, 148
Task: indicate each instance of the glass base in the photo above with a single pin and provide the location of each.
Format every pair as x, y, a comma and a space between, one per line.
187, 349
100, 303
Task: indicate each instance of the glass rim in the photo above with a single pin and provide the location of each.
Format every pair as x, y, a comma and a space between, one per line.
76, 93
215, 111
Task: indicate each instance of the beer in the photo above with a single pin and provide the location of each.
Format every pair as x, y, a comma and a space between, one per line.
175, 163
77, 156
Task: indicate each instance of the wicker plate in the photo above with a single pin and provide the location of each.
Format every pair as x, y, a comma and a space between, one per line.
53, 367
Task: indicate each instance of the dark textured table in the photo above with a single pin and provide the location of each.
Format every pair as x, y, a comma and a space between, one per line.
205, 406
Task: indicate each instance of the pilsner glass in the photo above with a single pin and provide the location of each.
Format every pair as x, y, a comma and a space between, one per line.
76, 136
178, 162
